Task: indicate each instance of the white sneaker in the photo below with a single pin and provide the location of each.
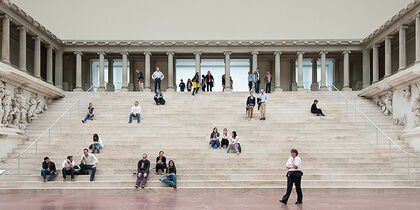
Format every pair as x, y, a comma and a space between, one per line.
249, 118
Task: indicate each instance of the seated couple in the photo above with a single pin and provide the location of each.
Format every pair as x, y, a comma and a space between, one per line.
233, 143
143, 171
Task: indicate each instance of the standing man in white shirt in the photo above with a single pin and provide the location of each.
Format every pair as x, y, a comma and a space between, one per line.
88, 162
157, 76
68, 168
263, 104
294, 175
135, 112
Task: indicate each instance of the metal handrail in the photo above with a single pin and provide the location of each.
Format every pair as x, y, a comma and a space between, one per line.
48, 129
372, 123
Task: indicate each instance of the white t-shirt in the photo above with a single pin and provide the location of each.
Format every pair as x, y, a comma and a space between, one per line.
66, 164
136, 109
298, 162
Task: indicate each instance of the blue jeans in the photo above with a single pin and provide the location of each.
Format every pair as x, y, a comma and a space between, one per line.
169, 182
96, 146
88, 117
68, 172
137, 115
84, 168
257, 86
44, 174
157, 84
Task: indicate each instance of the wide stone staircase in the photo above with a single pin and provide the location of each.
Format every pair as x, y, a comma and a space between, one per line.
339, 152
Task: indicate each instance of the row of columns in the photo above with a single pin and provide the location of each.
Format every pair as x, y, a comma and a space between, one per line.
5, 56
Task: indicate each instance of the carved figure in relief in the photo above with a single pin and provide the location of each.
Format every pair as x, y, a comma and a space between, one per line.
7, 105
407, 92
32, 103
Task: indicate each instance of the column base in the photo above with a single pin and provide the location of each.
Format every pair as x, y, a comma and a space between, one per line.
373, 82
323, 88
315, 86
346, 89
170, 90
300, 88
131, 87
78, 89
278, 90
110, 87
294, 86
59, 86
228, 89
22, 69
402, 69
124, 89
101, 89
147, 89
417, 61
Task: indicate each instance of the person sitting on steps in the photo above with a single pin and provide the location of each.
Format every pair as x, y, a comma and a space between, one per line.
225, 138
160, 163
159, 98
234, 143
48, 168
90, 114
88, 162
68, 168
97, 143
214, 139
170, 176
315, 110
135, 112
142, 171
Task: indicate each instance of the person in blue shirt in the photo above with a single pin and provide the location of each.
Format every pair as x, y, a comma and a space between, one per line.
250, 79
90, 113
159, 98
263, 104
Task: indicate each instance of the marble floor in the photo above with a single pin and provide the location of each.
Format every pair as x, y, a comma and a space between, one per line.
196, 201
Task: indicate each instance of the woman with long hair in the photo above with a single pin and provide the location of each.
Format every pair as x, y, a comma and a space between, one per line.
214, 138
234, 142
97, 143
170, 176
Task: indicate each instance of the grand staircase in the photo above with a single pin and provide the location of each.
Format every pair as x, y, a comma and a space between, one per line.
339, 151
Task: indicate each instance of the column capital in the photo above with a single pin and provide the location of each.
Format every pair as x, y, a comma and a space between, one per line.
78, 53
147, 53
388, 37
227, 53
49, 46
300, 52
323, 52
197, 53
375, 46
277, 53
346, 52
101, 53
5, 16
22, 28
170, 53
255, 52
110, 61
124, 53
37, 38
403, 26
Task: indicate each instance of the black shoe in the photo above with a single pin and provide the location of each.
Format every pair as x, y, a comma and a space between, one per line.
142, 186
323, 114
83, 121
98, 151
136, 186
297, 202
175, 187
283, 202
129, 121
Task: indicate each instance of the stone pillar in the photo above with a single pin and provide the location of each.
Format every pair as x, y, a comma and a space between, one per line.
388, 58
277, 71
101, 71
147, 70
402, 48
124, 86
22, 48
315, 84
366, 68
110, 84
131, 85
375, 64
50, 64
417, 38
198, 63
5, 41
300, 71
346, 68
255, 61
78, 71
323, 71
293, 67
59, 69
227, 71
170, 71
37, 57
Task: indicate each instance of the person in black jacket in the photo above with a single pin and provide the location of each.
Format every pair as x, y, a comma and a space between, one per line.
182, 86
203, 83
189, 85
209, 81
170, 176
214, 138
315, 110
48, 168
195, 81
250, 103
142, 171
160, 163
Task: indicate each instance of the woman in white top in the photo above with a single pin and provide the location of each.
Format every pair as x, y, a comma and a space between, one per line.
97, 143
294, 175
234, 143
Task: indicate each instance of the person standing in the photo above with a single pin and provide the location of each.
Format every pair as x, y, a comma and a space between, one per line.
90, 113
140, 79
160, 163
142, 171
256, 79
294, 175
268, 82
203, 83
250, 103
263, 104
68, 168
48, 169
195, 81
250, 79
209, 81
189, 85
88, 162
315, 110
182, 86
135, 112
170, 176
157, 76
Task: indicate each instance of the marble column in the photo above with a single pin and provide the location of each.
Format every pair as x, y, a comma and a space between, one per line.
315, 84
300, 71
22, 48
323, 71
402, 48
37, 57
78, 71
417, 38
49, 64
147, 75
170, 71
197, 55
346, 70
227, 71
110, 84
366, 68
5, 41
388, 56
375, 64
59, 69
254, 61
277, 71
131, 84
101, 71
124, 86
293, 67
